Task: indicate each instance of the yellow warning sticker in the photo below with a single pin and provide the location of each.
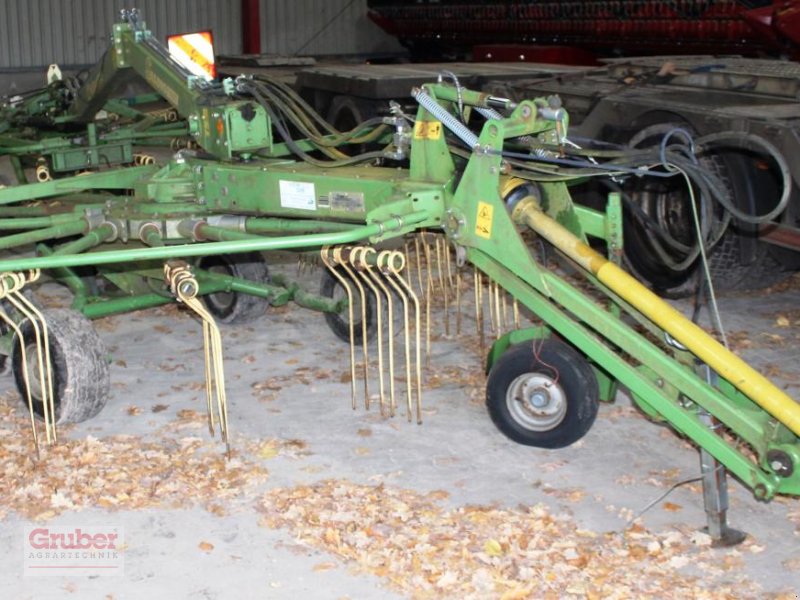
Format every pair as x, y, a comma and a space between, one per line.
483, 222
427, 130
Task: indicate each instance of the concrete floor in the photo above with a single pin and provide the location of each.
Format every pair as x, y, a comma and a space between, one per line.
285, 384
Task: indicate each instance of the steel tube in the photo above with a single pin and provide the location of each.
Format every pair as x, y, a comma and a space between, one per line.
40, 235
34, 222
729, 366
261, 225
90, 240
212, 248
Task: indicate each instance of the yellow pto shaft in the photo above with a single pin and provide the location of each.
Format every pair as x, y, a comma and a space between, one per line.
729, 366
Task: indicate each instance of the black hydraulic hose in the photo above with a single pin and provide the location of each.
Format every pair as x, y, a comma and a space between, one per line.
330, 140
748, 141
287, 138
289, 92
280, 126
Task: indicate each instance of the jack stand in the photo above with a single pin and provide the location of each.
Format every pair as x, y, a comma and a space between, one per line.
715, 502
715, 489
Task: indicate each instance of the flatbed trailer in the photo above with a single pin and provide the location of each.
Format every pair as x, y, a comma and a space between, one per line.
623, 101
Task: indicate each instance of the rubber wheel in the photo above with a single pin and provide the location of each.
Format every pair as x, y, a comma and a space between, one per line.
235, 307
547, 399
346, 113
331, 287
79, 366
729, 272
5, 359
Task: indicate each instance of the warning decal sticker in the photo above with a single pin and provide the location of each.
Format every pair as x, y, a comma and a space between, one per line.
483, 221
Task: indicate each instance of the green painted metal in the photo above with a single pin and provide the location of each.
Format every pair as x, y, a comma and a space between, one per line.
69, 278
275, 225
122, 179
38, 235
372, 231
517, 336
243, 199
34, 222
593, 346
306, 299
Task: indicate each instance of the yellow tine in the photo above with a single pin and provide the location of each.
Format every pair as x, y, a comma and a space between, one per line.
209, 378
385, 259
498, 331
492, 320
14, 298
47, 366
418, 344
362, 295
458, 301
418, 260
505, 310
440, 275
25, 378
428, 292
390, 312
357, 259
332, 268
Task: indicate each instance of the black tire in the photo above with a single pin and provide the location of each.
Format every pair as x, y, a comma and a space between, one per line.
331, 287
5, 359
555, 374
79, 366
667, 203
729, 272
347, 113
235, 307
740, 261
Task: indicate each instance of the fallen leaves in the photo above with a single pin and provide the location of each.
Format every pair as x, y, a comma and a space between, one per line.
424, 550
205, 546
118, 472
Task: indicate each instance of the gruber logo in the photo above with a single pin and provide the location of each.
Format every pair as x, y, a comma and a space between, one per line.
86, 550
43, 539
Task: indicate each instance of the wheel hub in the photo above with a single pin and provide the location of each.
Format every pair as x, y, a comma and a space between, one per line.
536, 402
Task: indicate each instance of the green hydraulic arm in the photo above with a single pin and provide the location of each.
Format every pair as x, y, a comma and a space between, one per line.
220, 125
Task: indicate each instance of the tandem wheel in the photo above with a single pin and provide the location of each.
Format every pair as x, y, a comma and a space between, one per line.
236, 307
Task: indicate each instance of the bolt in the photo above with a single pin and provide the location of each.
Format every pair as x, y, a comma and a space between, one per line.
760, 491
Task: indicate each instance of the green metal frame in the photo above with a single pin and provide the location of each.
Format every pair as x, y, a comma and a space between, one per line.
237, 202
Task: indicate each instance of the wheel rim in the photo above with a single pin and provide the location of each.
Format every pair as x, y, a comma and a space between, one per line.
536, 402
221, 302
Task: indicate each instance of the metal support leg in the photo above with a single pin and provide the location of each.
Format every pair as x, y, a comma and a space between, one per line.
715, 490
715, 501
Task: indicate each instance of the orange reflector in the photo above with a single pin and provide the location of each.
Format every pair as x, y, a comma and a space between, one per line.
220, 127
195, 52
